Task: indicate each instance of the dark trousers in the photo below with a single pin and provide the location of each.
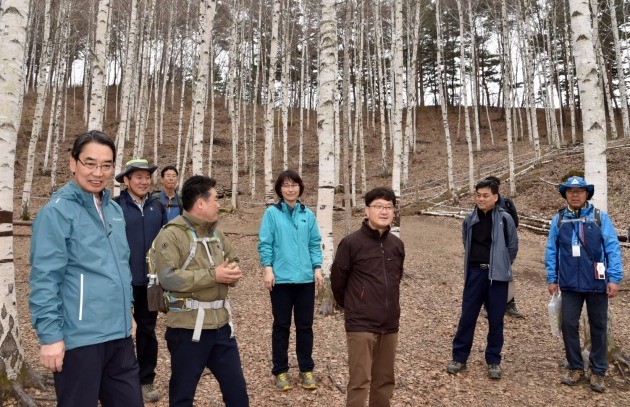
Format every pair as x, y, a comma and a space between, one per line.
216, 351
106, 371
479, 290
299, 300
146, 341
597, 310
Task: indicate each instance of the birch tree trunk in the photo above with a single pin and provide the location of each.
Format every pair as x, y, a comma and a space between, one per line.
507, 92
608, 106
399, 87
443, 104
206, 20
99, 68
591, 101
42, 92
473, 74
256, 92
13, 20
464, 97
126, 89
325, 136
269, 109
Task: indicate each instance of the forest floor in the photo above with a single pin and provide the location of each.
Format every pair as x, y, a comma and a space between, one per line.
430, 292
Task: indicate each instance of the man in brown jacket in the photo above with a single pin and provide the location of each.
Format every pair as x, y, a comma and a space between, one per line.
197, 277
365, 281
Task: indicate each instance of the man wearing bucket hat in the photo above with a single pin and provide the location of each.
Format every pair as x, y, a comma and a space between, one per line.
144, 217
583, 260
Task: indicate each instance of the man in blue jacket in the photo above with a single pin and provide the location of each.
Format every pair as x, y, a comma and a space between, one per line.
80, 282
491, 245
583, 260
144, 217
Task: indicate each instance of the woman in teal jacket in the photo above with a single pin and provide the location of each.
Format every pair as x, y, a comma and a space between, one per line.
80, 282
290, 251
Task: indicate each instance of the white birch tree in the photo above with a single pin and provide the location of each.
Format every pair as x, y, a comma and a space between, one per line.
206, 21
325, 136
269, 109
42, 92
99, 68
397, 114
13, 20
507, 92
591, 101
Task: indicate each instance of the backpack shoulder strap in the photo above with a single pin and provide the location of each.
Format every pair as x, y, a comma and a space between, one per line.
598, 217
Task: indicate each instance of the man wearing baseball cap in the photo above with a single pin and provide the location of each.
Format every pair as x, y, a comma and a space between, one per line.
583, 260
144, 217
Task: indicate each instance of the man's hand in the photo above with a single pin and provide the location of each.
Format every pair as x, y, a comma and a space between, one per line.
51, 355
225, 274
268, 278
611, 289
319, 279
134, 326
553, 288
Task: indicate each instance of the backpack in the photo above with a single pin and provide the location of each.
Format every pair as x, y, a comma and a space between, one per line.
162, 300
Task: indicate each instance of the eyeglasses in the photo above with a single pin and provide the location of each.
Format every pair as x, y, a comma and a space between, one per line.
572, 191
107, 167
170, 176
380, 208
290, 186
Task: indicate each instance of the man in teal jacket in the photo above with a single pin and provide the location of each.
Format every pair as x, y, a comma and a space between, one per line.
81, 298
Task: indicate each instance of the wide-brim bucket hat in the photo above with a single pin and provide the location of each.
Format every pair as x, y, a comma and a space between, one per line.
137, 164
576, 182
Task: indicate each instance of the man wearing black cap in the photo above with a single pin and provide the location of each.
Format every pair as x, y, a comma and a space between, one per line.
583, 260
144, 217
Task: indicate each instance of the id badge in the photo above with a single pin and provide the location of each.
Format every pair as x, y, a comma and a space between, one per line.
576, 250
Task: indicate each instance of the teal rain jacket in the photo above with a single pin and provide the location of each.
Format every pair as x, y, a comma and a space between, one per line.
290, 242
80, 278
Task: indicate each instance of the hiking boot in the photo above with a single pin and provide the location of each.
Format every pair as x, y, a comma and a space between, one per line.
150, 393
573, 377
455, 367
282, 382
597, 383
512, 311
308, 380
494, 371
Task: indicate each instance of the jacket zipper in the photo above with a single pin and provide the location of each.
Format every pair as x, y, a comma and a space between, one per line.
81, 299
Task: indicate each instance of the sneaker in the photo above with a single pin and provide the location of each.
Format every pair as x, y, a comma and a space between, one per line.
512, 311
150, 393
494, 371
597, 383
573, 377
282, 382
455, 367
308, 380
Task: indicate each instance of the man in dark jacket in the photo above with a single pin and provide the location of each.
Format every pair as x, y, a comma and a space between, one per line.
508, 205
144, 216
168, 196
365, 281
490, 245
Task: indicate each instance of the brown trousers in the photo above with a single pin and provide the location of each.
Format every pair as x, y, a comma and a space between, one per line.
371, 367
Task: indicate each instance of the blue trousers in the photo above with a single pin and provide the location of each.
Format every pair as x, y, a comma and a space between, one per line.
216, 351
597, 310
479, 290
105, 371
297, 300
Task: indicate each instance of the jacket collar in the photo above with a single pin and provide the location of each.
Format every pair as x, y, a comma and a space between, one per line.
298, 205
373, 233
206, 228
73, 191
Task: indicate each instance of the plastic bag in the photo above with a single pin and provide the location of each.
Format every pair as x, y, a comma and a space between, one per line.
555, 314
